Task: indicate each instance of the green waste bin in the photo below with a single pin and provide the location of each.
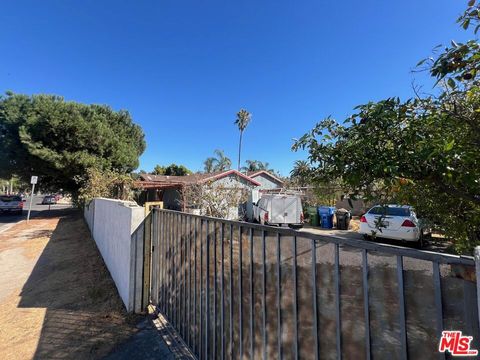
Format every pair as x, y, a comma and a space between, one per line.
313, 216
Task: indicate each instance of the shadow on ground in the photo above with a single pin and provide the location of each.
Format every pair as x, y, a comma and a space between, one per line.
84, 314
55, 212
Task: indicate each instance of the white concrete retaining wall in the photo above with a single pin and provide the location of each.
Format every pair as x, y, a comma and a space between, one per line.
112, 223
88, 213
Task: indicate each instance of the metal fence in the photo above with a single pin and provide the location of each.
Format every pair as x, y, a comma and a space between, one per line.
237, 290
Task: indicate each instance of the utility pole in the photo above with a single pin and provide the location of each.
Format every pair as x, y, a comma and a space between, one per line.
33, 181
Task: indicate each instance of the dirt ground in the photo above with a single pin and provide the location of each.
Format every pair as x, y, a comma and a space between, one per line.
57, 299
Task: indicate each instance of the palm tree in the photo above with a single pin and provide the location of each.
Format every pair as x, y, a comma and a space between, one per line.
223, 163
209, 164
243, 118
250, 165
256, 165
300, 172
218, 163
264, 166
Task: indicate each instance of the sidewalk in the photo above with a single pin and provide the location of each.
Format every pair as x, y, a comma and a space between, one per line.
57, 299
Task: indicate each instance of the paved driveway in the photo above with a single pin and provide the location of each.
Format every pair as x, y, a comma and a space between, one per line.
436, 243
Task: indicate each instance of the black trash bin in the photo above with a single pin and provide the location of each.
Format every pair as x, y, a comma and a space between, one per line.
343, 219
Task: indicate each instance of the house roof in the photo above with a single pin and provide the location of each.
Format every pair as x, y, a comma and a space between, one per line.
187, 179
253, 174
192, 179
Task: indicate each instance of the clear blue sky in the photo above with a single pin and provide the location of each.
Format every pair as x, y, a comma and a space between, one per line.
184, 68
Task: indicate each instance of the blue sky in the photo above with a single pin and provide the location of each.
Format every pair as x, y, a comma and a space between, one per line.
184, 68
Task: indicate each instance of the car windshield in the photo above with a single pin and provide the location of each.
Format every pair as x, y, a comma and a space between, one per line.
389, 210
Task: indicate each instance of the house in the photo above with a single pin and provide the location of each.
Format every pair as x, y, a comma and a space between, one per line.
196, 191
268, 181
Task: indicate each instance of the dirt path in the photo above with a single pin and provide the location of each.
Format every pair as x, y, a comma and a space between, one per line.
56, 296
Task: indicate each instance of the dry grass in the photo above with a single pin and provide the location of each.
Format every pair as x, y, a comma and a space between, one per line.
57, 299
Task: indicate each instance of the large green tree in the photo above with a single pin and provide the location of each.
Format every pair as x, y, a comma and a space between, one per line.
424, 151
60, 140
171, 170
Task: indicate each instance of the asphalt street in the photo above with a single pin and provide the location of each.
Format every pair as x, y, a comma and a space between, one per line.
6, 219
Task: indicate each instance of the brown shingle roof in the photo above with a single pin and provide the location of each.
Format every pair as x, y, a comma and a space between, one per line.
194, 178
187, 179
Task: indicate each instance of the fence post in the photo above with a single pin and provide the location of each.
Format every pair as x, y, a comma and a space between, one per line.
477, 272
139, 267
147, 253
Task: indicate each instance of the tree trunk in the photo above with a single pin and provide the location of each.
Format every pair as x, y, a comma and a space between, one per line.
239, 150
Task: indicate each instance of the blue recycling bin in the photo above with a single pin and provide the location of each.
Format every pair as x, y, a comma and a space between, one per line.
326, 216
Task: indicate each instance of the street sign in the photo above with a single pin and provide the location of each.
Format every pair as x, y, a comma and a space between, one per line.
33, 181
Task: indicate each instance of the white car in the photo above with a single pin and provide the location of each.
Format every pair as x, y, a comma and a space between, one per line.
393, 222
11, 204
